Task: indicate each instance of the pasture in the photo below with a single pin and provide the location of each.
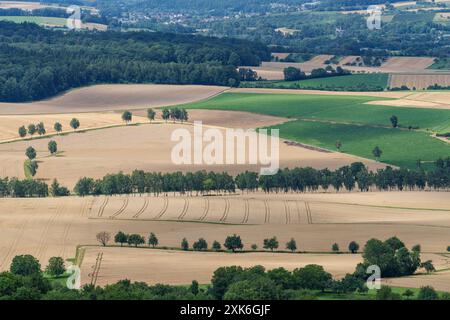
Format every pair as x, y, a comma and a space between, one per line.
354, 82
323, 119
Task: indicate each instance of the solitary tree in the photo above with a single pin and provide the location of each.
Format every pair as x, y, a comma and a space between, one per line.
194, 287
353, 247
427, 293
152, 240
52, 147
40, 128
291, 245
31, 129
428, 266
233, 243
271, 243
151, 114
200, 245
121, 238
25, 265
184, 244
22, 131
127, 116
103, 237
33, 168
57, 127
166, 114
74, 123
30, 153
335, 248
55, 266
394, 121
377, 152
338, 145
216, 246
254, 247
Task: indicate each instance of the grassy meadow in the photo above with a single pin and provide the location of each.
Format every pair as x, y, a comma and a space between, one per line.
353, 82
321, 120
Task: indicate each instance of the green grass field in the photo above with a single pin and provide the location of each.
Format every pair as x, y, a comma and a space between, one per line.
354, 82
320, 120
441, 64
38, 20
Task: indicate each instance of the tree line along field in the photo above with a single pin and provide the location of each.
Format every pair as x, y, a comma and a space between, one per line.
321, 120
354, 82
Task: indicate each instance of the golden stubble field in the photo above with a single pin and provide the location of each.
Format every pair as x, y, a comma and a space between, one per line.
54, 227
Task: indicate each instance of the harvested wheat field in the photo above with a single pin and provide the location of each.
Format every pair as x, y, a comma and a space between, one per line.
419, 81
55, 226
146, 147
103, 266
114, 97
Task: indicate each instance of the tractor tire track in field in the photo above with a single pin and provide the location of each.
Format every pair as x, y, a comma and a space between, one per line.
102, 207
246, 211
85, 210
164, 209
96, 269
13, 247
225, 211
267, 212
185, 209
298, 211
287, 211
142, 210
308, 213
206, 211
121, 210
43, 241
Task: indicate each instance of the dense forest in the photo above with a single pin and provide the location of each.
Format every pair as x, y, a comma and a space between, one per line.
38, 63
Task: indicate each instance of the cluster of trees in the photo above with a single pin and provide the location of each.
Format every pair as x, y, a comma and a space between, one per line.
38, 63
23, 188
354, 176
294, 74
175, 114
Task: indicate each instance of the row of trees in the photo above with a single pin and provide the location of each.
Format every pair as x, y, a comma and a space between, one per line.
39, 128
355, 176
175, 114
294, 74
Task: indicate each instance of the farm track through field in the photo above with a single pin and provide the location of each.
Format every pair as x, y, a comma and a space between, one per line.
298, 211
96, 269
225, 211
43, 241
206, 211
13, 247
185, 209
267, 212
287, 210
163, 210
308, 212
102, 207
86, 207
122, 209
143, 209
246, 211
